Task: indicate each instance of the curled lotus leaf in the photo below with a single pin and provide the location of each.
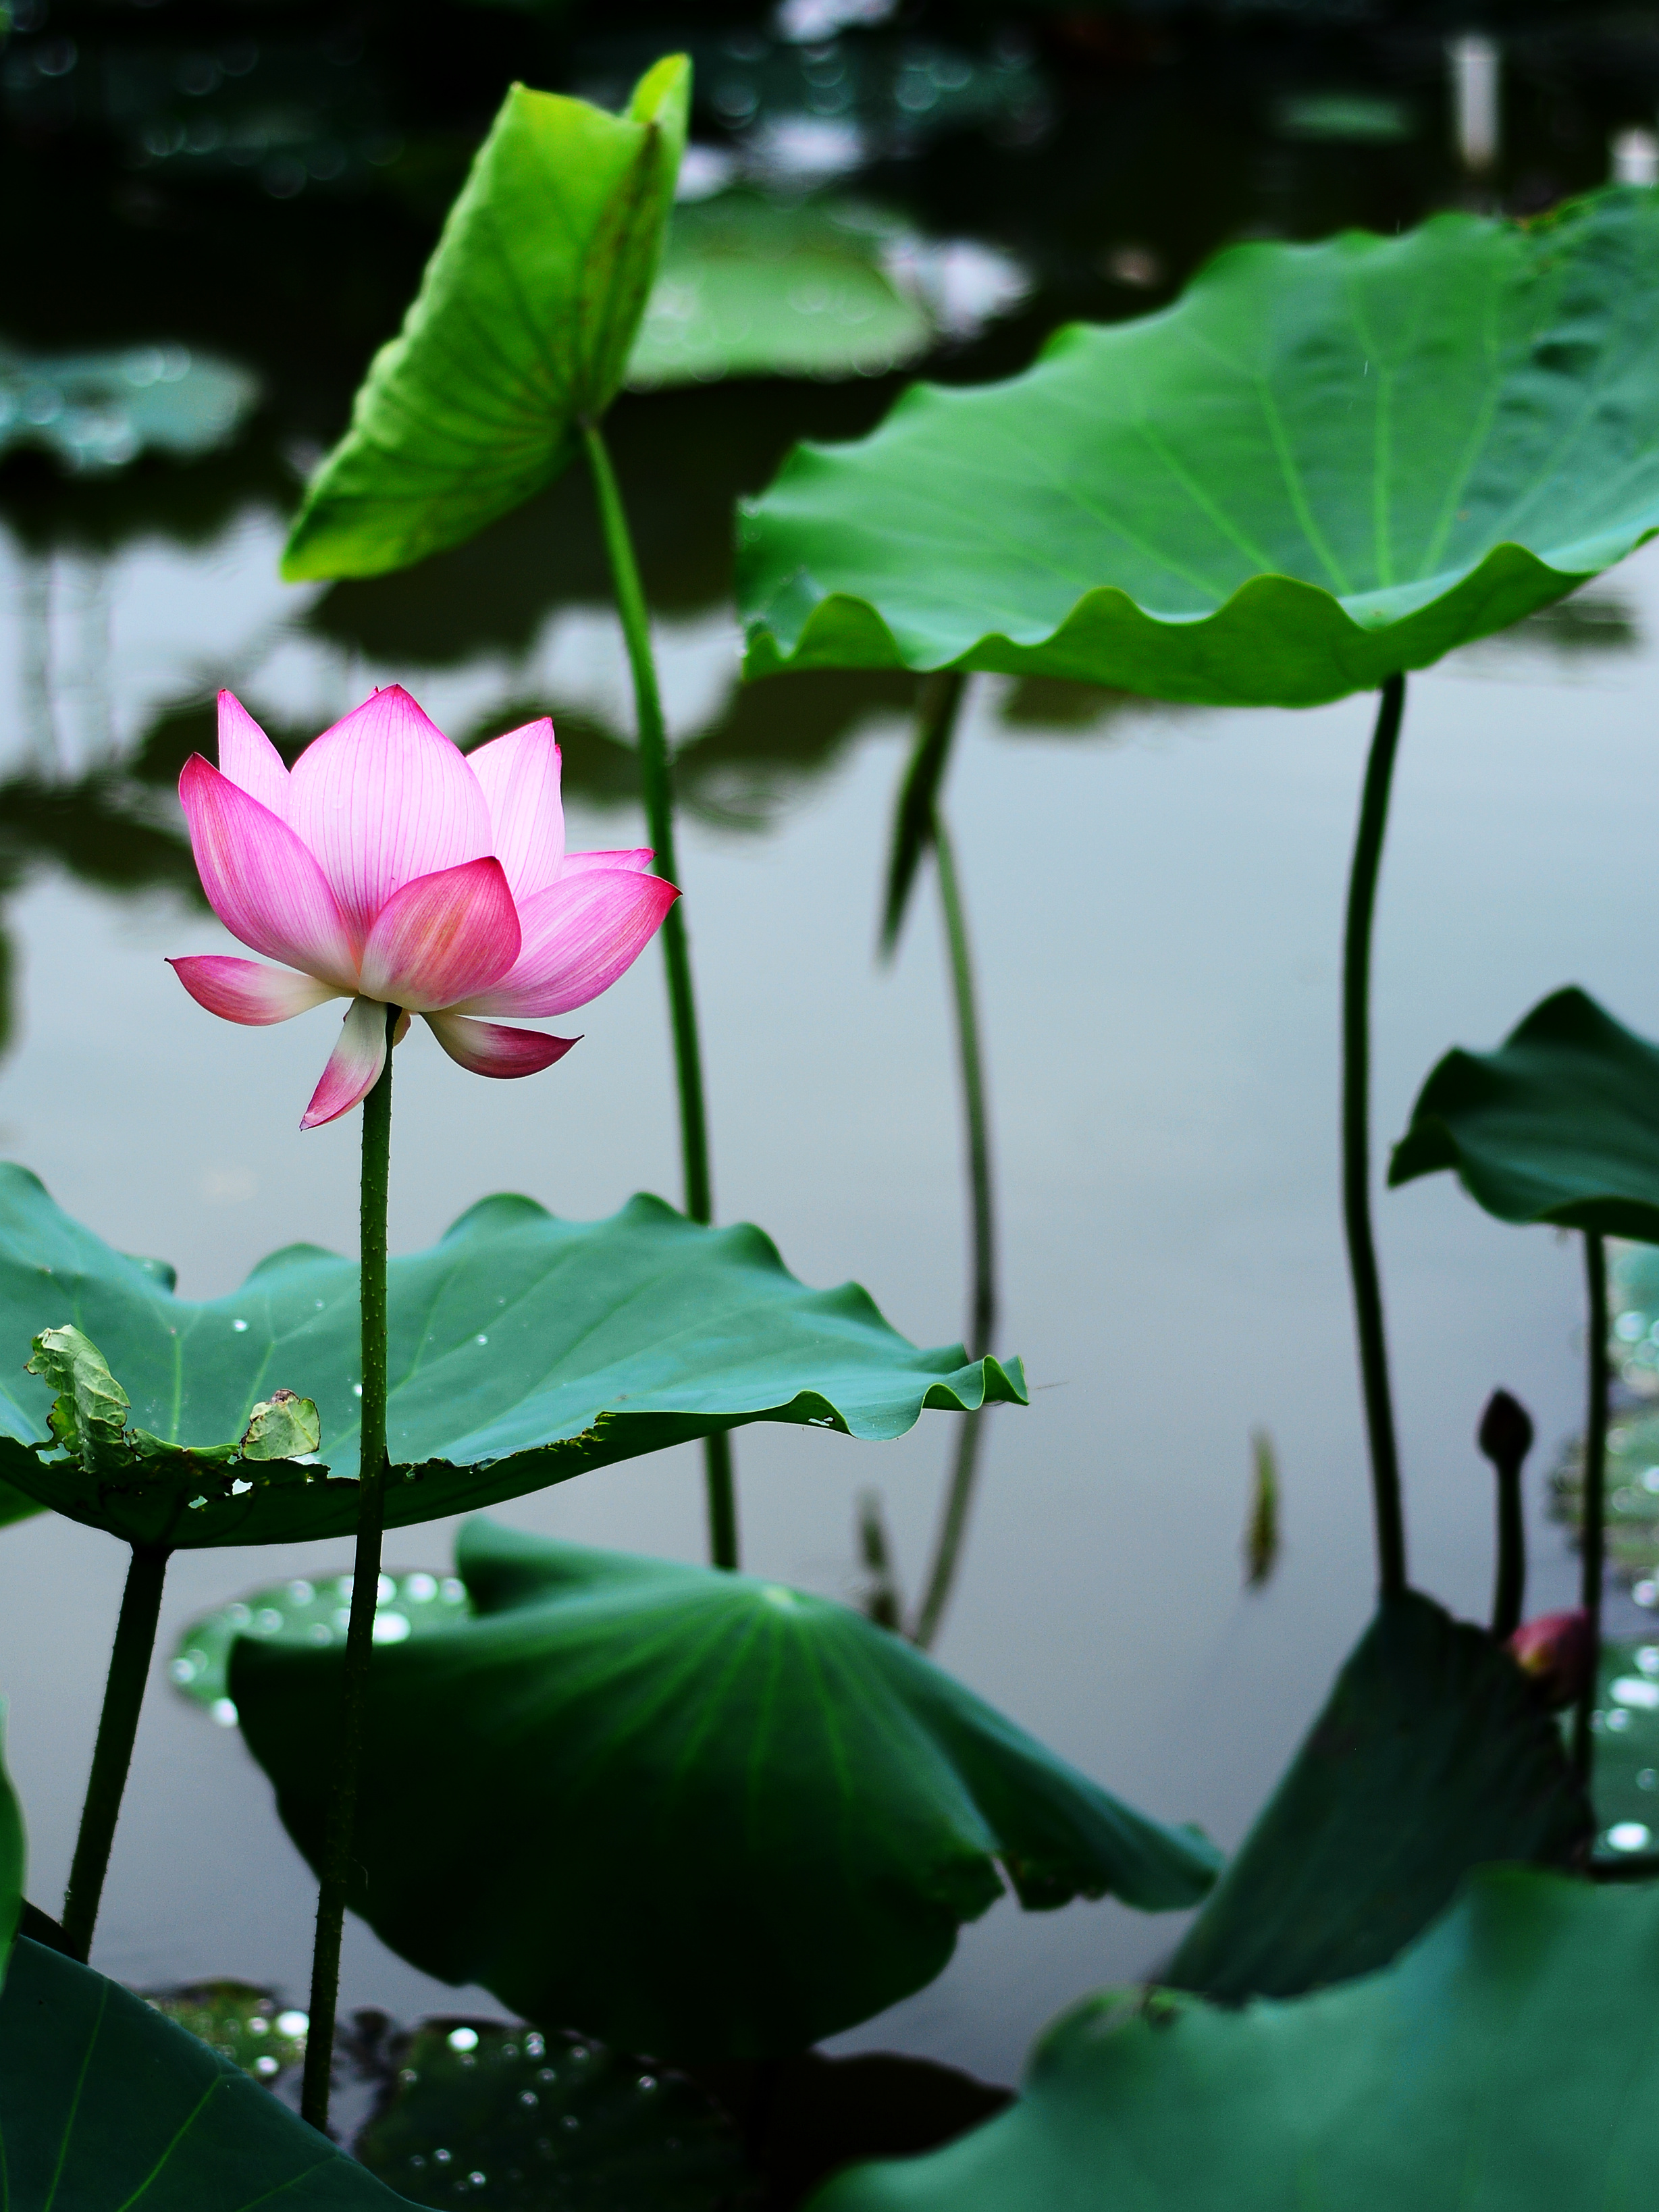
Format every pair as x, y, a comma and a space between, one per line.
702, 1814
522, 329
1559, 1124
1321, 465
523, 1350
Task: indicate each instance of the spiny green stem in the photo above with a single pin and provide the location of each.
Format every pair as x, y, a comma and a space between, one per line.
334, 1871
1593, 1533
656, 787
118, 1725
1355, 1141
970, 1062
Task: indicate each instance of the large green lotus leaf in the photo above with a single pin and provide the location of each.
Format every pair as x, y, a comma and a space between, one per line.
516, 2120
522, 327
105, 2107
694, 1813
1433, 1755
751, 288
1508, 2062
1561, 1123
1323, 465
523, 1350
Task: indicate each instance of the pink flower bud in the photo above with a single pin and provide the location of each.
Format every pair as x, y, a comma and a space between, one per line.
1557, 1652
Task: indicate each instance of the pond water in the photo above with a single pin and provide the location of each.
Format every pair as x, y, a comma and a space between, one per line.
1155, 899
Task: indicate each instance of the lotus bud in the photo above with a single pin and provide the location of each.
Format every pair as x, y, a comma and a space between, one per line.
1557, 1651
1505, 1431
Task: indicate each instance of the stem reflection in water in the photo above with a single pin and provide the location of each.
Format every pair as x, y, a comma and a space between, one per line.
656, 788
920, 825
365, 1590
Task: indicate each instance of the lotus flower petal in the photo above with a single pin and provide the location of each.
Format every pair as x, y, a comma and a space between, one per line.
442, 938
354, 1066
261, 881
486, 1048
383, 798
577, 939
579, 864
247, 757
519, 776
243, 991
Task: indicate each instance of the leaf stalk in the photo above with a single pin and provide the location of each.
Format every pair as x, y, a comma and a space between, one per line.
1355, 1141
112, 1757
656, 789
334, 1873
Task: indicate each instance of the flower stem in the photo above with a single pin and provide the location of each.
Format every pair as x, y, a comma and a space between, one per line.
1593, 1536
1355, 1141
334, 1873
964, 1474
656, 788
118, 1725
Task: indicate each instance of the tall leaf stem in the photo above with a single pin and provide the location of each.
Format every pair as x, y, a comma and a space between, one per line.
333, 1874
656, 788
1592, 1541
1355, 1141
118, 1726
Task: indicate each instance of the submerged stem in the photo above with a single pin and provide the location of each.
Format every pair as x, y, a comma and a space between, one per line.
118, 1725
1593, 1538
656, 788
334, 1873
970, 1059
1355, 1141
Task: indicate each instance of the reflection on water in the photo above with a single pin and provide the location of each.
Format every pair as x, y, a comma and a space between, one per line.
1154, 893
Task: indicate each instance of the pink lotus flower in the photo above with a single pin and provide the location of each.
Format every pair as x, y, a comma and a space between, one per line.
391, 869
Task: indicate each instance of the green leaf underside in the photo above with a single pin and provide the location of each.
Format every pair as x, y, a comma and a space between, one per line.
750, 288
776, 1815
551, 2120
1323, 465
104, 2106
522, 328
1431, 1755
1560, 1124
1508, 2062
523, 1350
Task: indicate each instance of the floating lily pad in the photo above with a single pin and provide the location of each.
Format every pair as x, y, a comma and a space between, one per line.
1323, 465
97, 411
524, 1350
522, 328
700, 1814
1561, 1123
305, 1612
248, 2025
1431, 1756
1509, 2059
519, 2120
104, 2106
749, 287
